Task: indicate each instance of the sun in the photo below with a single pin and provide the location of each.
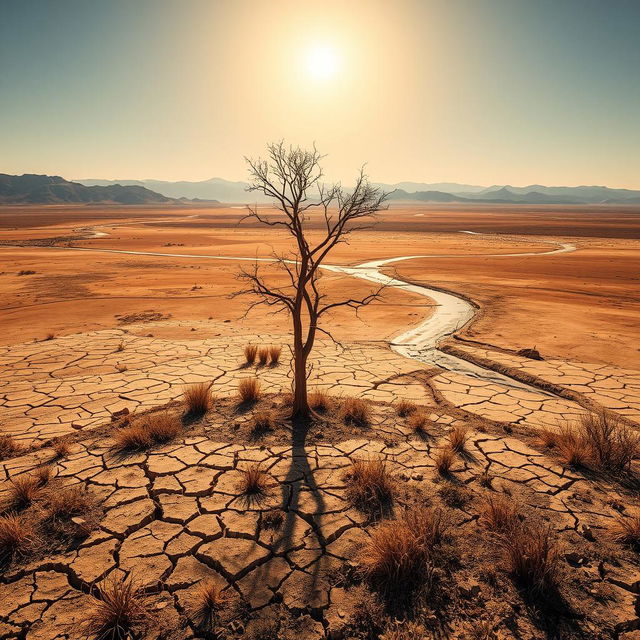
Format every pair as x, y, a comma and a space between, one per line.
322, 61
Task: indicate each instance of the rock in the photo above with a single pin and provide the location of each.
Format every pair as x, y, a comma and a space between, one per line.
532, 354
587, 532
116, 415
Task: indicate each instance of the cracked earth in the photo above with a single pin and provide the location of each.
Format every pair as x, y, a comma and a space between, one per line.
173, 515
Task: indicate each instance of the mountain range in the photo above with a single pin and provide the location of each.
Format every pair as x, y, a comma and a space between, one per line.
228, 191
32, 189
38, 189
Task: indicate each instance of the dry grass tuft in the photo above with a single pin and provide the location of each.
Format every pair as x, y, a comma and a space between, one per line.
355, 411
8, 447
405, 408
44, 475
263, 422
254, 480
319, 401
499, 513
155, 428
249, 390
444, 460
209, 600
572, 448
458, 438
61, 449
68, 503
120, 346
627, 531
548, 438
132, 438
399, 554
198, 398
419, 422
274, 354
404, 631
16, 537
531, 557
22, 492
250, 352
263, 356
117, 609
49, 336
273, 519
370, 487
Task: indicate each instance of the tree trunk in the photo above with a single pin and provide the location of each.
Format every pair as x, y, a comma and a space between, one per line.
300, 401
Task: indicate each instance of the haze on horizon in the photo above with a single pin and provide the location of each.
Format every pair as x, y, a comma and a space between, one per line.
475, 91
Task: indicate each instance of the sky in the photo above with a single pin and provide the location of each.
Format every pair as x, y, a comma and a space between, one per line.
475, 91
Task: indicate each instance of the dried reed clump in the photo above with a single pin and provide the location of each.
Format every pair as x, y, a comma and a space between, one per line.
198, 398
249, 390
250, 353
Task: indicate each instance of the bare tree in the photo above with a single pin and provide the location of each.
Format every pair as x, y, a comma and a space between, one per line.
292, 177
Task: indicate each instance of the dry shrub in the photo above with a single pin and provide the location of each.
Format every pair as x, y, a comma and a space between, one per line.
249, 390
263, 356
531, 557
369, 486
399, 553
355, 411
61, 449
627, 531
458, 438
612, 445
209, 599
274, 354
599, 440
499, 513
44, 475
263, 421
17, 537
117, 609
22, 492
418, 422
405, 408
444, 459
198, 398
120, 346
254, 480
250, 352
8, 447
454, 495
67, 503
319, 401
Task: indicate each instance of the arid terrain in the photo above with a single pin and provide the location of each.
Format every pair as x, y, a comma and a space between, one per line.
506, 343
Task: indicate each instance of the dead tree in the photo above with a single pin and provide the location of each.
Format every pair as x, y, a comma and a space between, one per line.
292, 178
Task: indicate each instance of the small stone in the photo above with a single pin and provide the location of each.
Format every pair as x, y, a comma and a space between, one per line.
587, 532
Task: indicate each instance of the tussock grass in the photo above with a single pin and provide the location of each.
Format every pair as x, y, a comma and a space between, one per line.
17, 537
405, 408
249, 390
404, 631
399, 554
274, 354
355, 411
209, 599
419, 422
626, 531
44, 475
155, 428
548, 438
498, 513
9, 447
198, 398
117, 609
61, 449
572, 448
444, 460
319, 401
369, 486
23, 491
67, 503
254, 480
250, 352
263, 421
531, 556
263, 356
458, 438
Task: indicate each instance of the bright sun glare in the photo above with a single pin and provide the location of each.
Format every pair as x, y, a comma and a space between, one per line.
322, 62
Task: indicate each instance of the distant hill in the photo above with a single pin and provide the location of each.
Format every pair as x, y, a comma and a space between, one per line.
216, 189
39, 189
235, 192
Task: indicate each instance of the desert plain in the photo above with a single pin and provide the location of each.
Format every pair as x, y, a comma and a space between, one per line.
109, 313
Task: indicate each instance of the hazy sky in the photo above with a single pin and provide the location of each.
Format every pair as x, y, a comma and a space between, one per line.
477, 91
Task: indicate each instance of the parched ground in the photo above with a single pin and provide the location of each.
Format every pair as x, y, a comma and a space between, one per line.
291, 560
